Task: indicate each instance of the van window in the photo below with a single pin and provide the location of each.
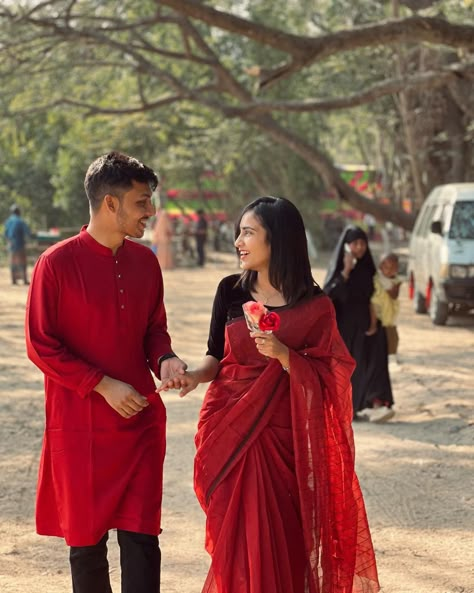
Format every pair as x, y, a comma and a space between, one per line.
462, 222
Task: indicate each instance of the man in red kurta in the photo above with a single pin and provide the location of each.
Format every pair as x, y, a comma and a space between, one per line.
96, 327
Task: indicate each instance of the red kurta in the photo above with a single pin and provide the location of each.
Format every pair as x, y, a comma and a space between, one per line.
274, 468
91, 313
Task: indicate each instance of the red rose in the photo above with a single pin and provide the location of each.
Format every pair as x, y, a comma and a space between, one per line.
269, 322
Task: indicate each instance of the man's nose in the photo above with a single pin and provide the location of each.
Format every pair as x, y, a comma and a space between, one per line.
151, 209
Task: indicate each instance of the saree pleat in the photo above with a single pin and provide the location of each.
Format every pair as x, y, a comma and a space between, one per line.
274, 468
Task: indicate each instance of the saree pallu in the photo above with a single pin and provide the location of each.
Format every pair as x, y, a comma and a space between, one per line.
274, 468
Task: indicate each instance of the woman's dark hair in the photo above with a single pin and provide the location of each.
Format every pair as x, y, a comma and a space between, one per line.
290, 268
114, 173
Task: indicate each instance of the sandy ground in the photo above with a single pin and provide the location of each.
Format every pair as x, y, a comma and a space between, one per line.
416, 471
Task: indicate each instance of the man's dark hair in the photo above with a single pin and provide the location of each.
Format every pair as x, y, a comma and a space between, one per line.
114, 173
290, 268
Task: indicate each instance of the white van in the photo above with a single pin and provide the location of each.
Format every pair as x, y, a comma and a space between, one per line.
441, 253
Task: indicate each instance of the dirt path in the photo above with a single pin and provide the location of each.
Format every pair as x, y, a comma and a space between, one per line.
416, 472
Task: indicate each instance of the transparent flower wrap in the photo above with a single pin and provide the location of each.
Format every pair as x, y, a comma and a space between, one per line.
258, 318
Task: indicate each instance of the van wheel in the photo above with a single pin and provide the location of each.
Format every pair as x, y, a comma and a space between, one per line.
419, 303
439, 310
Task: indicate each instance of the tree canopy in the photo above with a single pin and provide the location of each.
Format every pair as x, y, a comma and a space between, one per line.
274, 94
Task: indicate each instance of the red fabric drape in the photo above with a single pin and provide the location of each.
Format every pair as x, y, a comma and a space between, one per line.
274, 468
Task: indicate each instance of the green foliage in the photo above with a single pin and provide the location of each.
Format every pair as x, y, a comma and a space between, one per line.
67, 62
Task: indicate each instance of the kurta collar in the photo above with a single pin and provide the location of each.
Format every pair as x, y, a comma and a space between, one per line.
96, 246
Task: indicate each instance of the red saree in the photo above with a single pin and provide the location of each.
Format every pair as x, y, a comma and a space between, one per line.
274, 468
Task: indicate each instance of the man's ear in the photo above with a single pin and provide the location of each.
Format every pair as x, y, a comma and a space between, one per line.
109, 202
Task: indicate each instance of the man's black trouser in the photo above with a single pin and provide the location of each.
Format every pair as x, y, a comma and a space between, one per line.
140, 560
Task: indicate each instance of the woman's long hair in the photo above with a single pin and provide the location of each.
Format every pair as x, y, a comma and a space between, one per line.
290, 268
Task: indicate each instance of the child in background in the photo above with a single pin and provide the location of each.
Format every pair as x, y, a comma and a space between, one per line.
384, 302
384, 307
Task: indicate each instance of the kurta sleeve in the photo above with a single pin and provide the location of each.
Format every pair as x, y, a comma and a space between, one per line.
43, 337
157, 339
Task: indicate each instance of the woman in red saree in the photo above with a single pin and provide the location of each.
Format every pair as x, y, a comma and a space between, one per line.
274, 468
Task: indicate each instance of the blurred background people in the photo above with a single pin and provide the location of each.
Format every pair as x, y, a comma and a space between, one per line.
163, 240
16, 233
200, 234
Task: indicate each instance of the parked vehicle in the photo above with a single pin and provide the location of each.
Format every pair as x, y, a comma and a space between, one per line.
441, 253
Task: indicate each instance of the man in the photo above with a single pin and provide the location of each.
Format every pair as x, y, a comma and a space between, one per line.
16, 233
201, 237
95, 326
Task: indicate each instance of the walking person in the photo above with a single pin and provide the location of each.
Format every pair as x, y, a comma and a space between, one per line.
274, 467
16, 233
201, 237
350, 285
96, 327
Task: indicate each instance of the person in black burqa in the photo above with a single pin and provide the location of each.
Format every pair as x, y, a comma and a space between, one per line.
350, 285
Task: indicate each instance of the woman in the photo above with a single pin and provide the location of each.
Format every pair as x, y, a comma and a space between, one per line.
274, 468
350, 285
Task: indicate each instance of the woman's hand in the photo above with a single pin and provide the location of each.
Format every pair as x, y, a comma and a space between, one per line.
270, 346
348, 265
186, 383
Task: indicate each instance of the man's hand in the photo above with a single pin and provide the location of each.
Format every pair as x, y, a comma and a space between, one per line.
171, 367
122, 397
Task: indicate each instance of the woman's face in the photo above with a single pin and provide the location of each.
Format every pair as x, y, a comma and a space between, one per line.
358, 248
252, 244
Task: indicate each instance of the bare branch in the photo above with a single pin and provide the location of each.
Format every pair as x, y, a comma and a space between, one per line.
92, 109
424, 80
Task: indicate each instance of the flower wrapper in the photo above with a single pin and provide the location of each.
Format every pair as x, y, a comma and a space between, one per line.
258, 318
253, 311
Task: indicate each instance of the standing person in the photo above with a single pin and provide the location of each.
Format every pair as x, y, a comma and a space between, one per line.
385, 307
16, 234
163, 232
385, 298
186, 245
95, 326
201, 237
370, 222
274, 468
349, 283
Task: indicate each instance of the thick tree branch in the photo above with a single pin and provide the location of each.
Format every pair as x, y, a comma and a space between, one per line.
307, 50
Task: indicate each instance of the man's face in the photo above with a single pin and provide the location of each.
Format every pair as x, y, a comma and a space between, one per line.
134, 210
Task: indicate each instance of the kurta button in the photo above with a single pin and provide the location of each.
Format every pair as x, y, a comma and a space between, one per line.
121, 290
116, 261
122, 306
119, 275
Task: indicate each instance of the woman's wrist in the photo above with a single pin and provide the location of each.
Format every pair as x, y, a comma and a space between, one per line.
284, 360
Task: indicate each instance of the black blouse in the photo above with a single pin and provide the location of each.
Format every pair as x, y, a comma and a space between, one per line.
227, 306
